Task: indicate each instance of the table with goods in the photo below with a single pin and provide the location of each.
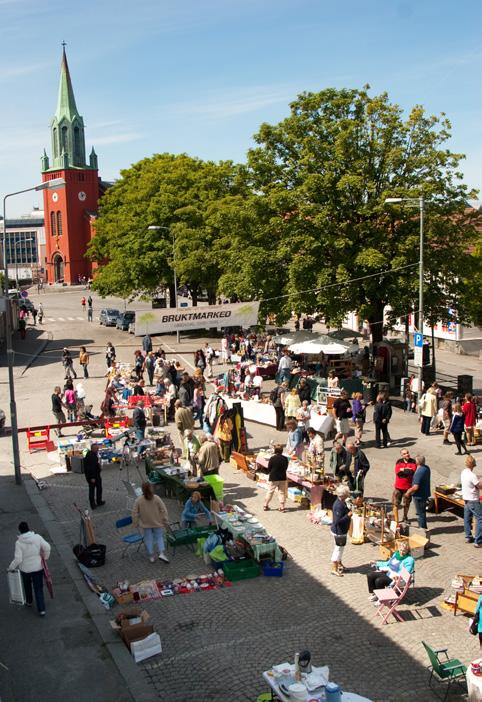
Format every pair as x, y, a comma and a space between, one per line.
241, 524
450, 495
291, 684
172, 480
308, 474
473, 677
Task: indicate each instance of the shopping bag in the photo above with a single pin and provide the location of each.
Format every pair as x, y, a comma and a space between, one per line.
15, 587
48, 578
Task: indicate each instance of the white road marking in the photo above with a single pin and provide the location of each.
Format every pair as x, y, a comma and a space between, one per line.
60, 319
71, 319
51, 319
80, 318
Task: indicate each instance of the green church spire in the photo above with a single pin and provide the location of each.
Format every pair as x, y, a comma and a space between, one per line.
66, 106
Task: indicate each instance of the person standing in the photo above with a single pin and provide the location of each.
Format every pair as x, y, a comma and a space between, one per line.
183, 419
84, 360
34, 315
57, 408
469, 408
472, 506
457, 428
92, 472
68, 363
109, 355
292, 403
304, 391
277, 467
150, 366
147, 344
30, 548
40, 313
382, 414
70, 400
343, 412
139, 421
447, 413
361, 466
405, 469
294, 442
83, 303
339, 528
224, 434
277, 397
428, 409
420, 490
284, 367
90, 311
150, 514
209, 455
359, 415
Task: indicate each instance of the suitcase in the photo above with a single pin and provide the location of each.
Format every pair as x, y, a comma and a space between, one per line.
77, 464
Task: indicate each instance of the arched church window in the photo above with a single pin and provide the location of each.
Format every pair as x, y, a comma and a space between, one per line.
56, 146
77, 146
59, 223
52, 223
64, 145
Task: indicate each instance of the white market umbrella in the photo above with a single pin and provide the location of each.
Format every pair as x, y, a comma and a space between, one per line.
317, 346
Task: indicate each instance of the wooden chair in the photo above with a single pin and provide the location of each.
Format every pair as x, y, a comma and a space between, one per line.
390, 597
467, 600
450, 671
246, 463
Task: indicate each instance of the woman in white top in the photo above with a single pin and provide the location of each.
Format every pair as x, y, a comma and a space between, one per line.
332, 379
29, 550
303, 415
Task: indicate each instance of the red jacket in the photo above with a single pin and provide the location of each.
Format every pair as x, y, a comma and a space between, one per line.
469, 409
402, 483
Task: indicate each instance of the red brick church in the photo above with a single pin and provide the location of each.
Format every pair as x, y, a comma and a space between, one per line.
70, 210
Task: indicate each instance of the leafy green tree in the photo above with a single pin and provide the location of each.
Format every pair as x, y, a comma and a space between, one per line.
177, 195
317, 216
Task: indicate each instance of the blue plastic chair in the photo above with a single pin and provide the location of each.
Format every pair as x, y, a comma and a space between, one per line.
130, 539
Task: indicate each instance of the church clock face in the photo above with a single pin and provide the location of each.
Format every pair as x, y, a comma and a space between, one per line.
55, 197
82, 196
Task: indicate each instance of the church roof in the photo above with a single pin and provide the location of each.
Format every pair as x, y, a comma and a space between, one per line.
66, 106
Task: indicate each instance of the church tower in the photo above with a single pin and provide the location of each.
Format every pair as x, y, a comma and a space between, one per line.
70, 210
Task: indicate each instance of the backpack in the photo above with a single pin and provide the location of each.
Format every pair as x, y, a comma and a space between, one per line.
273, 396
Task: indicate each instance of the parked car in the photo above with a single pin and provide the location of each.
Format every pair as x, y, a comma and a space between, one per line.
108, 317
125, 318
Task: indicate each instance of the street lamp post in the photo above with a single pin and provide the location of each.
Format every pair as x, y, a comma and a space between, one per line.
155, 228
420, 203
54, 183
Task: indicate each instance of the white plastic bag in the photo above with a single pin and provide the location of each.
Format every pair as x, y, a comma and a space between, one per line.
15, 587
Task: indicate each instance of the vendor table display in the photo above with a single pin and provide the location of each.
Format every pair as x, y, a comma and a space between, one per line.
159, 589
242, 525
255, 410
474, 681
175, 482
307, 476
312, 686
448, 495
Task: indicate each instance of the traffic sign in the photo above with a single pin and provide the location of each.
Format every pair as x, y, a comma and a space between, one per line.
24, 294
418, 349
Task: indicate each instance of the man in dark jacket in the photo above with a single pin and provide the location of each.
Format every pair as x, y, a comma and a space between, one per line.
358, 467
139, 421
381, 416
304, 391
277, 466
186, 390
92, 475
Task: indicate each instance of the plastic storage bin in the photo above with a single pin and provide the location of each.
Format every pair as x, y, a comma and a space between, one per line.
273, 569
241, 570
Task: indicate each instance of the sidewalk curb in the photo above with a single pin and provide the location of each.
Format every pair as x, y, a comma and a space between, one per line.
37, 354
139, 690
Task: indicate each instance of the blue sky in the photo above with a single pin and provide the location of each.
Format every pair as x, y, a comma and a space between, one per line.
200, 77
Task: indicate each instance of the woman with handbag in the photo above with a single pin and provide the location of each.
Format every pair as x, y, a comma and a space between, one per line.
339, 529
30, 549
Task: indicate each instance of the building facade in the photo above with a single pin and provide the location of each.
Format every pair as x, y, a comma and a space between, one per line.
25, 247
70, 210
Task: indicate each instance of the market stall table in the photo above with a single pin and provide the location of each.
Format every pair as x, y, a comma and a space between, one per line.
314, 693
450, 499
474, 683
254, 411
174, 485
260, 550
316, 489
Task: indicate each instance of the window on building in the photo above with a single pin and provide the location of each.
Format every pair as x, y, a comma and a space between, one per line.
53, 229
64, 145
55, 143
59, 223
77, 145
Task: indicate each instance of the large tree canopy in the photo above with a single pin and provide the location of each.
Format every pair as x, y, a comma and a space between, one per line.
317, 216
177, 194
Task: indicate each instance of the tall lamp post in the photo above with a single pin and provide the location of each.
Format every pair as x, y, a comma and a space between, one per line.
54, 183
420, 203
155, 228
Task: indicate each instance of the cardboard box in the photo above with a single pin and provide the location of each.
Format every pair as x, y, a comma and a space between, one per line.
124, 619
135, 632
417, 546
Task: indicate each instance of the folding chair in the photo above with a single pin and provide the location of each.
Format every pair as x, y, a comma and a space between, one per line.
130, 539
390, 597
450, 671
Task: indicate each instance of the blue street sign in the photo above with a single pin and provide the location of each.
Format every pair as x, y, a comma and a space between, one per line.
418, 340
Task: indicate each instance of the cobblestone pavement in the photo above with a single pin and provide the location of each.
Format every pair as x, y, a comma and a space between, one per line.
216, 644
219, 642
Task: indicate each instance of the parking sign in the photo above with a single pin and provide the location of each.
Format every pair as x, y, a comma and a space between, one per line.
418, 349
